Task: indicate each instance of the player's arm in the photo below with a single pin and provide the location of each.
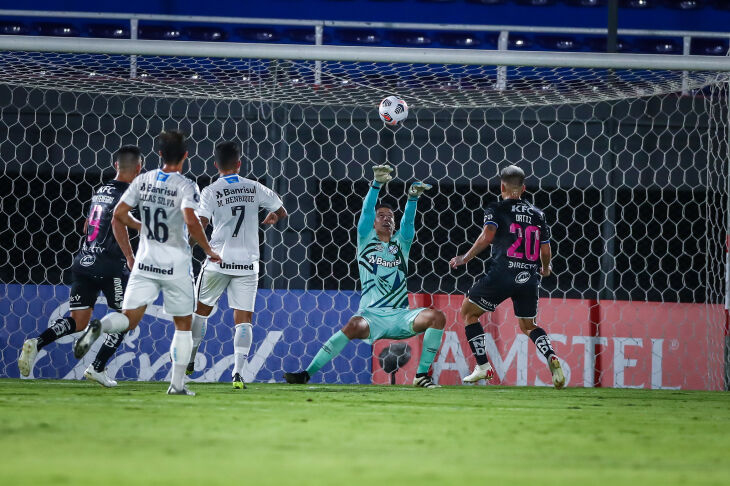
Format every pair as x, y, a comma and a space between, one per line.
546, 255
204, 222
275, 216
197, 233
485, 239
121, 234
381, 176
407, 227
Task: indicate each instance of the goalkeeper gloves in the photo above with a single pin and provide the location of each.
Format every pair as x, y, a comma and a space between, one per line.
417, 189
381, 173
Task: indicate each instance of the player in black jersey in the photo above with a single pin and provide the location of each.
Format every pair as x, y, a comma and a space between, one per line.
101, 265
520, 239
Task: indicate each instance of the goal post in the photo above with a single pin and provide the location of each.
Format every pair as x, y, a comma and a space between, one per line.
632, 174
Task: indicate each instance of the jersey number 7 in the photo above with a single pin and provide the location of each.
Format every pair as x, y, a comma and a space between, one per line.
234, 210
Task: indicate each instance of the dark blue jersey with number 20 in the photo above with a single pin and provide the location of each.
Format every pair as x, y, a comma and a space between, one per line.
521, 229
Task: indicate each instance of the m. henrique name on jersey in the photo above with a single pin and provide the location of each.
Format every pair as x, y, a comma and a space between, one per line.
235, 195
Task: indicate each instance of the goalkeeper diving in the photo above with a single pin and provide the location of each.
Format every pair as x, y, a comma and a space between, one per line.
382, 255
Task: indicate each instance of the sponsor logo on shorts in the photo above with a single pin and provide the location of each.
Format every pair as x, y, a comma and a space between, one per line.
522, 277
236, 266
487, 305
118, 290
87, 260
393, 249
152, 269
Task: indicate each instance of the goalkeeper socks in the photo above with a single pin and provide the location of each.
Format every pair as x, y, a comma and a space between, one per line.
62, 327
330, 349
198, 329
180, 349
110, 346
475, 335
114, 323
431, 345
242, 339
542, 341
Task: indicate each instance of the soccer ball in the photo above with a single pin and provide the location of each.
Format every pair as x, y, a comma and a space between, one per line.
393, 110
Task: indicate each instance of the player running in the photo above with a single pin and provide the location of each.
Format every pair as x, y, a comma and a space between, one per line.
519, 237
232, 203
167, 202
383, 266
101, 265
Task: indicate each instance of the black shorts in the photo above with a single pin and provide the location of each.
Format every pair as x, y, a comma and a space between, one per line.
496, 287
85, 289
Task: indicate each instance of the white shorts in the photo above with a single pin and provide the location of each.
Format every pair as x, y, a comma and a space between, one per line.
241, 289
178, 294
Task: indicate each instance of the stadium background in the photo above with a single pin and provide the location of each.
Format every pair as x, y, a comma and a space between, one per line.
51, 158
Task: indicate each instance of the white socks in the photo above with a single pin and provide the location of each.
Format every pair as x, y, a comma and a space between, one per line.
180, 350
241, 345
198, 329
114, 322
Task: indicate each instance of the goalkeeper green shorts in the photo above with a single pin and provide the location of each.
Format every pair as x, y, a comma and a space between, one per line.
390, 323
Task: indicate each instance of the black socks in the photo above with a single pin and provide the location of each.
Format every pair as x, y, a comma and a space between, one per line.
110, 346
62, 327
542, 341
475, 336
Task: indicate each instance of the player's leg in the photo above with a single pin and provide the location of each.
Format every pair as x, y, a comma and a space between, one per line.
114, 293
140, 292
525, 307
242, 297
356, 328
179, 302
482, 297
83, 293
208, 288
431, 322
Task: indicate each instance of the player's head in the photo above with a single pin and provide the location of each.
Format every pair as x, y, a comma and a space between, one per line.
384, 219
512, 182
172, 147
128, 161
228, 157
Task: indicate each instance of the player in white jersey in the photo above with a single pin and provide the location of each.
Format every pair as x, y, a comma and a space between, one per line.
167, 202
232, 204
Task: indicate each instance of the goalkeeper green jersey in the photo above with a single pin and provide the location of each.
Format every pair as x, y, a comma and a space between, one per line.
383, 267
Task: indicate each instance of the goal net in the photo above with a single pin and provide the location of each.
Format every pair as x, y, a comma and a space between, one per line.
630, 166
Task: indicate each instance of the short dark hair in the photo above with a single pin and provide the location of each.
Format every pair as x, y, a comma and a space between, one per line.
127, 157
172, 145
512, 176
227, 154
384, 205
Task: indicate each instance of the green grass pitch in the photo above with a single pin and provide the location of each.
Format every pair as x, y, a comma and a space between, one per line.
71, 432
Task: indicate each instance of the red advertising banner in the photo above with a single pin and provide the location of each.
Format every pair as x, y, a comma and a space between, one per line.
610, 344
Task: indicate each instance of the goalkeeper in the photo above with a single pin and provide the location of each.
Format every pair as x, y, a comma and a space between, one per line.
383, 264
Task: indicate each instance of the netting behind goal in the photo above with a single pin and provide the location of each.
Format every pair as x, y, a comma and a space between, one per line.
632, 174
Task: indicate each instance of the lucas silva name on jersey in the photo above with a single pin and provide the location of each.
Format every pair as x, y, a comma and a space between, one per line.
157, 195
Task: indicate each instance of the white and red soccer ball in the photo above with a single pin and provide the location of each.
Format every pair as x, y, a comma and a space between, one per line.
393, 110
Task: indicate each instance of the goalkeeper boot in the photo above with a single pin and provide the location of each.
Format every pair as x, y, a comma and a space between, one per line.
557, 372
87, 338
238, 383
300, 378
99, 376
190, 369
27, 356
183, 391
481, 372
424, 381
